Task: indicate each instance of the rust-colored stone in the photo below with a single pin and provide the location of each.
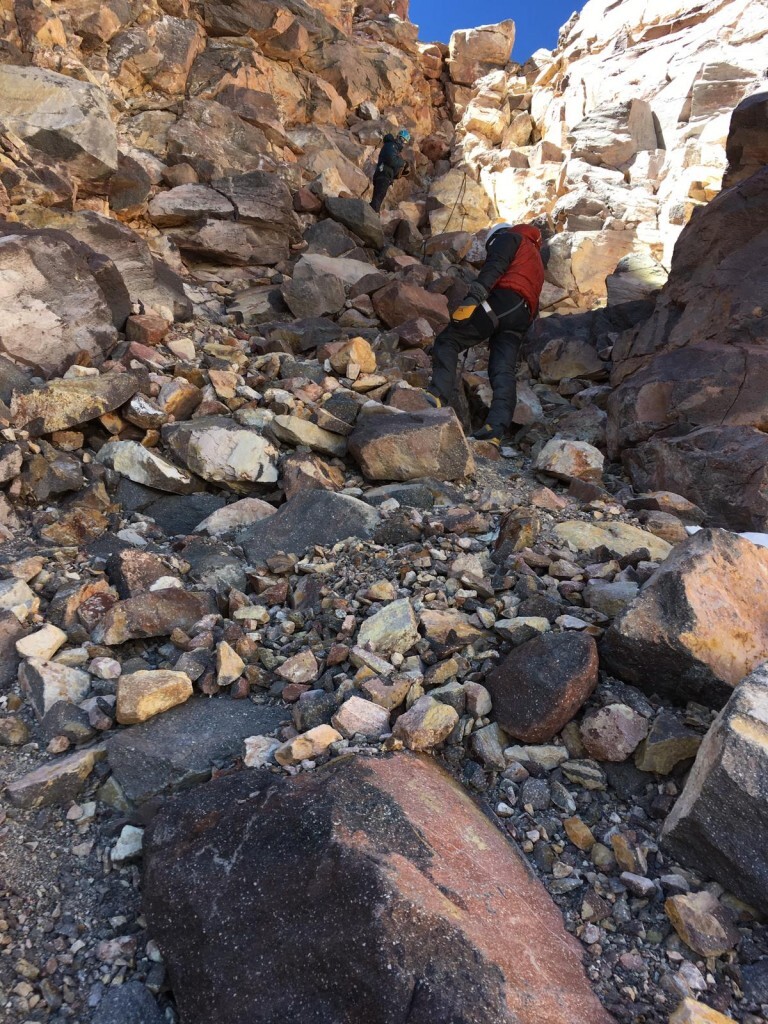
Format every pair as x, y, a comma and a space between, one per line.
442, 918
541, 685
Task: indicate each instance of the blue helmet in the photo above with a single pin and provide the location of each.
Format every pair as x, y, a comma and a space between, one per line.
404, 134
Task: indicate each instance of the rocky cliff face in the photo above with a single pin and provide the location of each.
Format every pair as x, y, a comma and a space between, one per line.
616, 136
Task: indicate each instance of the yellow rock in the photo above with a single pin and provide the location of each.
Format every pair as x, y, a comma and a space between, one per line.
141, 695
579, 833
623, 538
310, 744
692, 1012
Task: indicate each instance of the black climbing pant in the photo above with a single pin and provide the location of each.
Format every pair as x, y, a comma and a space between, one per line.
381, 183
504, 340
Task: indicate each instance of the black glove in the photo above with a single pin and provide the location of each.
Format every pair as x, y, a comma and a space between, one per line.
478, 291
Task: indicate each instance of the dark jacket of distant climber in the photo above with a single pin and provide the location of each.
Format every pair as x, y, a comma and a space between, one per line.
389, 166
500, 306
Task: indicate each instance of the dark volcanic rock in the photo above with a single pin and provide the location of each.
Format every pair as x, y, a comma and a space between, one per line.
699, 625
131, 1003
180, 747
11, 630
724, 470
747, 148
541, 685
368, 892
719, 824
315, 517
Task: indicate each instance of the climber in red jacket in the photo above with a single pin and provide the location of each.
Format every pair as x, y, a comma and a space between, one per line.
500, 306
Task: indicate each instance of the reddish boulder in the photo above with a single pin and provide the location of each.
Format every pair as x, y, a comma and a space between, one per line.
541, 685
399, 302
409, 446
442, 918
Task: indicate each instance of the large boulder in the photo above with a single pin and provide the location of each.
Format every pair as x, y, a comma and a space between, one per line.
541, 685
474, 52
320, 284
696, 628
442, 918
719, 826
216, 142
312, 517
399, 302
62, 404
612, 133
698, 360
65, 119
394, 445
52, 308
723, 470
359, 217
180, 747
747, 148
150, 282
246, 218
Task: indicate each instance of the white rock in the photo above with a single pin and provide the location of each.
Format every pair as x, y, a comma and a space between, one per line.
128, 846
42, 644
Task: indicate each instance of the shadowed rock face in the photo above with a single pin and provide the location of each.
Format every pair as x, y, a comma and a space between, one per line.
697, 364
368, 892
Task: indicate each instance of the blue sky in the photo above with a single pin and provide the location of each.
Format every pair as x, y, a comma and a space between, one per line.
537, 24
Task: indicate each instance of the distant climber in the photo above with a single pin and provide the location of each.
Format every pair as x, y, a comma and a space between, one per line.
500, 305
390, 166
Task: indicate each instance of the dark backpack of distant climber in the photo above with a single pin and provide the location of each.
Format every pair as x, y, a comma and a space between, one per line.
389, 166
500, 306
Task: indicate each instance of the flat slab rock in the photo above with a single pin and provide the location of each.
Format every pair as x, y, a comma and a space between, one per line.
315, 517
366, 892
179, 747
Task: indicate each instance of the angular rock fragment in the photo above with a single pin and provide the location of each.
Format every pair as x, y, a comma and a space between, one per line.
62, 404
692, 1012
222, 452
361, 716
620, 538
50, 318
669, 741
358, 216
613, 732
43, 643
309, 745
141, 695
58, 782
180, 747
313, 517
695, 622
426, 724
392, 630
367, 842
702, 922
541, 685
46, 682
719, 823
570, 460
404, 446
297, 431
153, 614
143, 466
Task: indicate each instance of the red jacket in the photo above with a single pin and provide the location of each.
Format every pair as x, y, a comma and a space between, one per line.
525, 274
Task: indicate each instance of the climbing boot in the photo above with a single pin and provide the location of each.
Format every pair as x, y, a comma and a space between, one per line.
489, 433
